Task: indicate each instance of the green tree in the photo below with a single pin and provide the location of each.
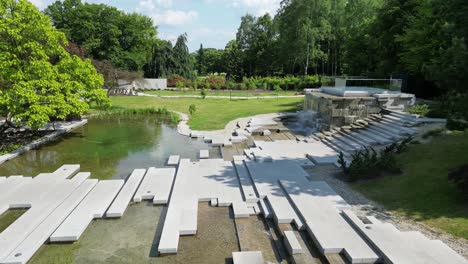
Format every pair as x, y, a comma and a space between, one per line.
162, 63
201, 63
183, 63
105, 32
232, 58
39, 79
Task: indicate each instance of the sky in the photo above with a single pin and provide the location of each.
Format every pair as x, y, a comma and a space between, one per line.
212, 23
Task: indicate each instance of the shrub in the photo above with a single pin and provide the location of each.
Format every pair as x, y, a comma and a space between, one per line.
433, 133
457, 124
203, 93
192, 109
422, 109
367, 163
173, 80
180, 85
195, 85
459, 177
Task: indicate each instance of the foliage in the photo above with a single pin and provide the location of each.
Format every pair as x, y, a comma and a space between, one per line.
105, 32
40, 80
162, 113
433, 133
203, 93
459, 177
192, 109
421, 109
457, 124
166, 60
367, 163
174, 79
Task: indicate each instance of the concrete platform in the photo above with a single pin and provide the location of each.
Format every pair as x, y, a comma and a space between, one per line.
403, 247
292, 244
94, 205
156, 185
199, 181
42, 197
248, 257
321, 208
204, 154
173, 160
31, 244
265, 177
247, 187
125, 195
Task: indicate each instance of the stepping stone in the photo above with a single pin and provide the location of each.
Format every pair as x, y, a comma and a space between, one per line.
173, 160
248, 257
403, 247
94, 205
246, 182
120, 203
204, 154
41, 234
321, 208
292, 244
42, 198
156, 186
266, 132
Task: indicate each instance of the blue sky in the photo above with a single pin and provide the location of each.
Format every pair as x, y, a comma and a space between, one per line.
211, 22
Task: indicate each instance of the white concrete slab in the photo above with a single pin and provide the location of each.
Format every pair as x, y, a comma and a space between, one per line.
173, 160
266, 132
199, 181
29, 246
119, 205
292, 244
156, 185
246, 182
43, 198
248, 257
64, 172
204, 154
265, 177
379, 138
94, 205
403, 247
321, 208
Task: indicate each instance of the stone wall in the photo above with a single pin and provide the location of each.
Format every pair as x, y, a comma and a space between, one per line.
155, 84
335, 111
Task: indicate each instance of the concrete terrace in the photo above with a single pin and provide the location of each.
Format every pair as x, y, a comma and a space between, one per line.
315, 223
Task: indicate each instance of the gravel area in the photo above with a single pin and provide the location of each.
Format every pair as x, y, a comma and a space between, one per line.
363, 206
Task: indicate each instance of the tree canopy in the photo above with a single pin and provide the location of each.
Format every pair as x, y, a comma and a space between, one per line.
105, 32
39, 79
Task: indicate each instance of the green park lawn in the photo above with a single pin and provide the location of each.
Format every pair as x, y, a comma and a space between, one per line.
423, 192
211, 114
222, 93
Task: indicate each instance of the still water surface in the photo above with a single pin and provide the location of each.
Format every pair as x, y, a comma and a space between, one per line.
109, 148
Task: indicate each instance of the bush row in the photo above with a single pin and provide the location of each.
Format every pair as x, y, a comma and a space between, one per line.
253, 83
368, 163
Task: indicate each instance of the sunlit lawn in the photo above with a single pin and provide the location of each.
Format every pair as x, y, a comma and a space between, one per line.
211, 114
423, 193
222, 93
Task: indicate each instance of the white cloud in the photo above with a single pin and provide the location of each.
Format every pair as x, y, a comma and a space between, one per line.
38, 3
174, 17
258, 7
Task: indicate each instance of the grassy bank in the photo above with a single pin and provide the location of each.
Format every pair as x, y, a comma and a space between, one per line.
162, 113
211, 114
423, 192
222, 93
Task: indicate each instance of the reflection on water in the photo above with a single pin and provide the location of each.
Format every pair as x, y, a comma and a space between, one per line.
108, 148
133, 239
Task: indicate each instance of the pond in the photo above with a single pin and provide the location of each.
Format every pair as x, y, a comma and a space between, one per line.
110, 147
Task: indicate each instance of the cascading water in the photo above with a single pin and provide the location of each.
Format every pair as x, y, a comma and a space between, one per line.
303, 123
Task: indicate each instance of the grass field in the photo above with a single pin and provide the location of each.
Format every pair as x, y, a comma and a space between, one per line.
211, 114
222, 93
423, 192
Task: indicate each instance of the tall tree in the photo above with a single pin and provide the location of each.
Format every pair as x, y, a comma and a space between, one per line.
201, 63
162, 62
232, 58
182, 59
39, 79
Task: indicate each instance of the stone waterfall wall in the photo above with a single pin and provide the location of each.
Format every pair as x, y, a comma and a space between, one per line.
335, 111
